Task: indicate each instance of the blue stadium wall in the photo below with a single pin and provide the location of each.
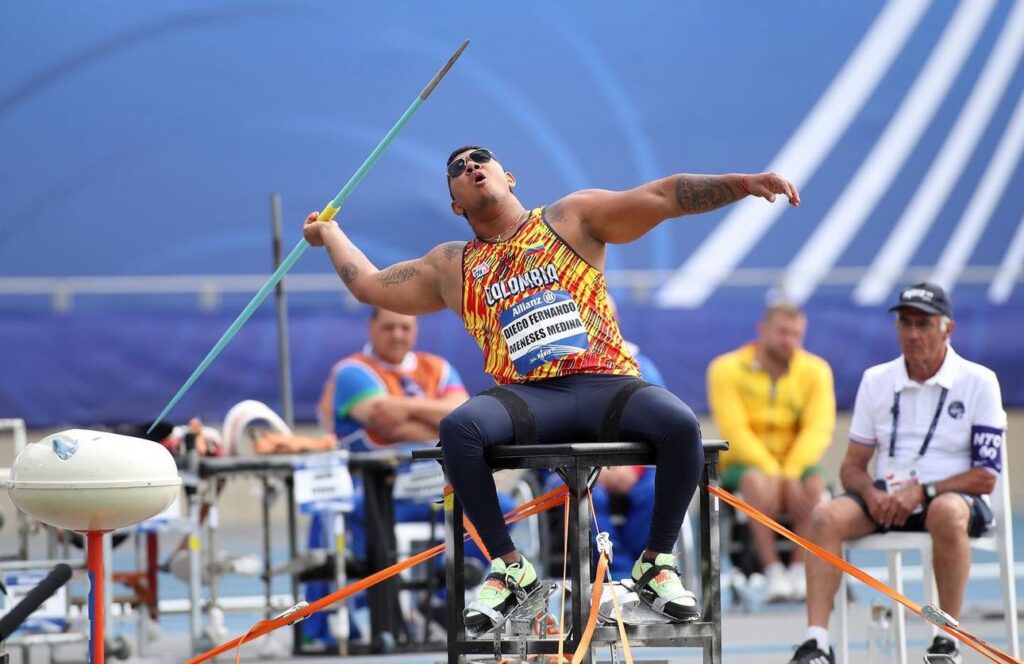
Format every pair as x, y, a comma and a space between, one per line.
143, 139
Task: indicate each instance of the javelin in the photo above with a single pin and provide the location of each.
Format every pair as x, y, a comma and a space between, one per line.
326, 214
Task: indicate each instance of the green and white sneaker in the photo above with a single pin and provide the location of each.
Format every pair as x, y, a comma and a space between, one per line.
659, 587
504, 588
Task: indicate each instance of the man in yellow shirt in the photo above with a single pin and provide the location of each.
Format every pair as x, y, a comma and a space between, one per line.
775, 404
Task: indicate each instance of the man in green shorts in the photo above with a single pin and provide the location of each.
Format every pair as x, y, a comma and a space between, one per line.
775, 404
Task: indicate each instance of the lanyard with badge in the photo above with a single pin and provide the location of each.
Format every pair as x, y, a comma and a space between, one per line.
897, 478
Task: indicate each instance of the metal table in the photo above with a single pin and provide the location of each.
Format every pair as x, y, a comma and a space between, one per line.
266, 468
377, 468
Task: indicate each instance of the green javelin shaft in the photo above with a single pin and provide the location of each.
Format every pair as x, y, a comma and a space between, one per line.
325, 215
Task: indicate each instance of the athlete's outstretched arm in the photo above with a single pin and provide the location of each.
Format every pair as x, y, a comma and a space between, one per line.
623, 216
411, 287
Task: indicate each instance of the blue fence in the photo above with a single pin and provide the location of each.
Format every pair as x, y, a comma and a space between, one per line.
115, 366
147, 139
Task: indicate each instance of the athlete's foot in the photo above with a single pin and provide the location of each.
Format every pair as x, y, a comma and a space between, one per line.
659, 586
503, 589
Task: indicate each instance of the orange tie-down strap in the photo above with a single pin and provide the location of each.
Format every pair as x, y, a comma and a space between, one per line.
539, 504
989, 651
583, 647
557, 497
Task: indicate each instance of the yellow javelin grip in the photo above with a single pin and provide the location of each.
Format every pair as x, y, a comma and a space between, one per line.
328, 213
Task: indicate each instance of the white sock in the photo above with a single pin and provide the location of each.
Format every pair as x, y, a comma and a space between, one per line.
796, 568
774, 568
819, 634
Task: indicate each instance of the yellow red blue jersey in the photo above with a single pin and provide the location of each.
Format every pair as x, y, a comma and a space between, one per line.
538, 310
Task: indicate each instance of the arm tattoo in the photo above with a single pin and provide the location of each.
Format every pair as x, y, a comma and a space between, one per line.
397, 275
702, 193
348, 273
453, 250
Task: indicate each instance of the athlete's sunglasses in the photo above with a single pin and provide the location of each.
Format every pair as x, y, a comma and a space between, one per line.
458, 167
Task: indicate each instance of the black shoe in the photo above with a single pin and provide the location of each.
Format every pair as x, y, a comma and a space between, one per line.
808, 652
945, 646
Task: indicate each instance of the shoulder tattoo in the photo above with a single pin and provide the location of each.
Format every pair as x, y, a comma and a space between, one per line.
452, 250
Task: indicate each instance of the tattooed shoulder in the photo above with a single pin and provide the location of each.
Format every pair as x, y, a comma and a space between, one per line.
452, 250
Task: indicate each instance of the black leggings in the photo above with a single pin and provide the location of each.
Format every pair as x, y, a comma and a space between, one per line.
571, 409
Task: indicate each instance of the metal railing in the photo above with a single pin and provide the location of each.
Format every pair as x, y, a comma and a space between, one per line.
210, 289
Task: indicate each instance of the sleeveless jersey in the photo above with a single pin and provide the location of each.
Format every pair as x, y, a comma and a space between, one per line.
538, 310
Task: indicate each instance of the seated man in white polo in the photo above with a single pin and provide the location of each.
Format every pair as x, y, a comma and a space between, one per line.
934, 423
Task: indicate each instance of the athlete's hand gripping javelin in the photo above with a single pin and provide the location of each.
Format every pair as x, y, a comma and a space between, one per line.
415, 287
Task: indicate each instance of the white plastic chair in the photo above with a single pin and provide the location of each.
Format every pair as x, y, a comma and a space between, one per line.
999, 539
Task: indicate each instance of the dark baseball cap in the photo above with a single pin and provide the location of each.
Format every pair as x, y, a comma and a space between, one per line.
927, 297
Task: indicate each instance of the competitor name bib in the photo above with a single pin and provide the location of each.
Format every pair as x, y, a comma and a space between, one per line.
542, 328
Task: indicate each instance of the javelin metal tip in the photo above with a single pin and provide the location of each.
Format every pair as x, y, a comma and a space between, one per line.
444, 70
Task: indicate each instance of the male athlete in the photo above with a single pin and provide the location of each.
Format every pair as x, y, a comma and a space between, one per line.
529, 286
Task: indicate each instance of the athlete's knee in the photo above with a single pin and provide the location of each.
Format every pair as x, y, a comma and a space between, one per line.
685, 432
459, 431
673, 417
684, 424
688, 447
